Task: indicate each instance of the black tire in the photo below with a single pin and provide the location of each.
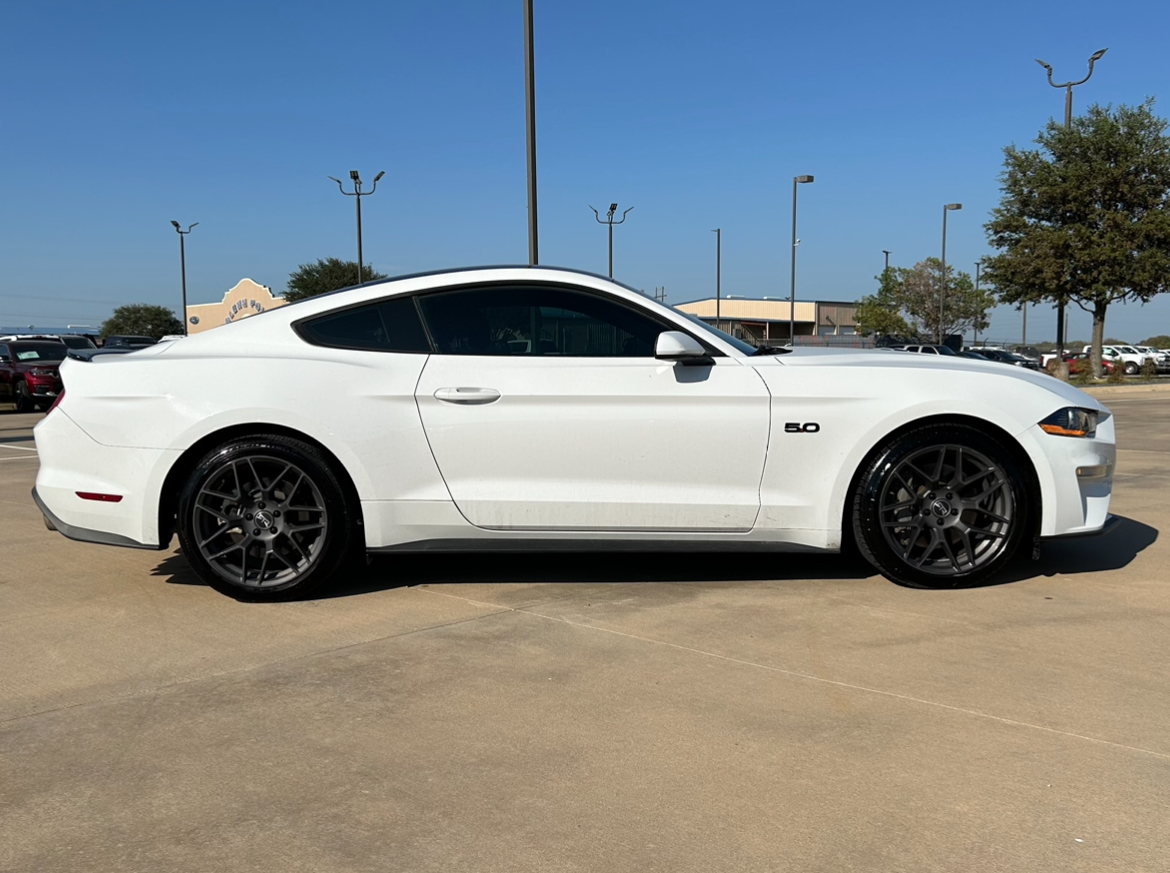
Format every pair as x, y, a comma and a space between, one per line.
266, 518
24, 400
1131, 369
941, 506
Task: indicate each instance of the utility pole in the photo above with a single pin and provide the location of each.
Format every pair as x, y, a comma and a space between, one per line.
942, 282
609, 220
358, 194
978, 267
887, 254
530, 131
718, 269
1068, 86
183, 265
796, 180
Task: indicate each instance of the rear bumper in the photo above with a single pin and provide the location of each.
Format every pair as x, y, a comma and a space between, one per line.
72, 462
1110, 525
85, 535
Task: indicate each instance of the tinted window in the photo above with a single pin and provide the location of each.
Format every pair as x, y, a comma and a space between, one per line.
38, 351
387, 326
534, 320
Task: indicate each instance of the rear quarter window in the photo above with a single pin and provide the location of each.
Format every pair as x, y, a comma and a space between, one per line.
385, 326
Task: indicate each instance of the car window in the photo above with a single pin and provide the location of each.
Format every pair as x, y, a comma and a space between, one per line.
929, 350
385, 326
53, 352
945, 350
537, 320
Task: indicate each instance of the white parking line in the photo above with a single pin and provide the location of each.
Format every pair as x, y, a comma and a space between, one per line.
18, 448
21, 458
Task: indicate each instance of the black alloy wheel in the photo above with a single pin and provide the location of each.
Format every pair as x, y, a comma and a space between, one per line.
266, 518
24, 400
943, 506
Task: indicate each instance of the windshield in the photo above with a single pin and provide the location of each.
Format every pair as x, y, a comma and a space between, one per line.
50, 352
77, 342
740, 345
946, 350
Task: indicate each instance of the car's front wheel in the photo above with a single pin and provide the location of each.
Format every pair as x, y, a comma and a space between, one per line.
24, 400
1131, 369
266, 518
942, 506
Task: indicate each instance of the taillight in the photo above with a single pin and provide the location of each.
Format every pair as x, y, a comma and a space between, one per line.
60, 397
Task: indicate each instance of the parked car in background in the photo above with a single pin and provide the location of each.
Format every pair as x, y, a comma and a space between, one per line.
29, 375
1129, 358
128, 342
1161, 359
928, 349
1006, 357
1080, 363
1030, 353
973, 355
77, 341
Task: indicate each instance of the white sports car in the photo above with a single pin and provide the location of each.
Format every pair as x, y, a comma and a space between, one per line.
531, 408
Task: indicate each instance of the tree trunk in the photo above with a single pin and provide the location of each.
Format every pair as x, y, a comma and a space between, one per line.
1098, 338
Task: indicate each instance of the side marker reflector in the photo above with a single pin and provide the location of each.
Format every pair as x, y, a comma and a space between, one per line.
103, 498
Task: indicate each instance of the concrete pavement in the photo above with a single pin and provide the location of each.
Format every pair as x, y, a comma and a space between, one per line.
590, 712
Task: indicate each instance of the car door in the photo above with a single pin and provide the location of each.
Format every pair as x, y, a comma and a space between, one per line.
546, 409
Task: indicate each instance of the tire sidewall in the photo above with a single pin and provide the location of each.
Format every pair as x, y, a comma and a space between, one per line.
340, 538
867, 521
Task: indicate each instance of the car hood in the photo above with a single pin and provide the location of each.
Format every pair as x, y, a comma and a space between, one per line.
903, 365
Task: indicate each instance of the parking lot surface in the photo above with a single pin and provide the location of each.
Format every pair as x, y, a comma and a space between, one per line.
573, 713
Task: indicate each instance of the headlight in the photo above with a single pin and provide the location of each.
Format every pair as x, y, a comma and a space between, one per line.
1072, 422
39, 371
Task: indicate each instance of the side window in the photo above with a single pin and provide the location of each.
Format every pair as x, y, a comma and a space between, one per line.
537, 320
386, 326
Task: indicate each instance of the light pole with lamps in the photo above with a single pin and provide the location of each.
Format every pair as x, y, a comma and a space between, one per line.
358, 194
796, 180
718, 268
609, 220
1068, 86
183, 265
887, 254
530, 131
942, 282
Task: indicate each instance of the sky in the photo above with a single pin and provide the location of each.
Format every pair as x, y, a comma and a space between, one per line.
119, 116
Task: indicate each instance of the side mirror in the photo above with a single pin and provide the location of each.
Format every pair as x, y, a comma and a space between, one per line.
674, 345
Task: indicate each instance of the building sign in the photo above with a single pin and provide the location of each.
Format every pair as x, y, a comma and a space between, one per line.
245, 299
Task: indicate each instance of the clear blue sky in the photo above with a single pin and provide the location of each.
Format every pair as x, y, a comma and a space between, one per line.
119, 116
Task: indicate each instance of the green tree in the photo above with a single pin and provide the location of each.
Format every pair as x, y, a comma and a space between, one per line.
908, 302
330, 274
1085, 218
880, 313
142, 319
1161, 341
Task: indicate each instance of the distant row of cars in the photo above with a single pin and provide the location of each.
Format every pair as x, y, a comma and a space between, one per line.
1129, 359
29, 374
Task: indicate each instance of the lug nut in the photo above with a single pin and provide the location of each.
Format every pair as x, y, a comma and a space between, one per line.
930, 495
261, 505
954, 512
276, 514
949, 495
248, 516
256, 532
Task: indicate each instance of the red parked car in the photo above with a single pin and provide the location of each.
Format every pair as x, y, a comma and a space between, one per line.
1079, 363
28, 372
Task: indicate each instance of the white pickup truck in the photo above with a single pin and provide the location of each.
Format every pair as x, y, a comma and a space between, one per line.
1126, 357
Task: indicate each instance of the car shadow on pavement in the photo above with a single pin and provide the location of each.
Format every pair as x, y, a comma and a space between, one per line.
1112, 551
387, 571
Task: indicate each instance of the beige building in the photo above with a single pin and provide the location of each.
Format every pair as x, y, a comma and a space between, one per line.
247, 298
760, 321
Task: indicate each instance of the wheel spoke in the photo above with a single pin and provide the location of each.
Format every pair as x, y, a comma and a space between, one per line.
215, 513
298, 528
228, 550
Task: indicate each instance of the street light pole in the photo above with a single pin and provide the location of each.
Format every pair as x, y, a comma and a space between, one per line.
183, 265
942, 284
978, 267
796, 180
887, 254
1068, 86
609, 220
718, 268
358, 194
530, 131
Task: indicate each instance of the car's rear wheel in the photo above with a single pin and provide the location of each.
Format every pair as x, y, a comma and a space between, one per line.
24, 401
266, 518
942, 506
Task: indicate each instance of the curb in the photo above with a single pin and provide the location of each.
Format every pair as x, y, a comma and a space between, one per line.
1111, 390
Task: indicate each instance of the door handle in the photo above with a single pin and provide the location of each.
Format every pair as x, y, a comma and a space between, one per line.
468, 396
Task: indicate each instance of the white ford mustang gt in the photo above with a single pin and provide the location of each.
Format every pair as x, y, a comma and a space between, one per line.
531, 408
